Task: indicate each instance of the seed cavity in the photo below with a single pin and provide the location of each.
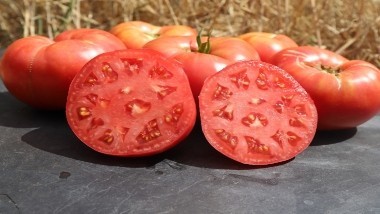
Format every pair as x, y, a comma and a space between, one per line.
240, 79
173, 116
91, 80
132, 65
163, 90
300, 109
257, 101
293, 138
279, 82
107, 137
280, 137
255, 146
109, 73
84, 112
287, 99
279, 106
254, 120
95, 123
122, 131
227, 137
160, 72
137, 107
222, 92
296, 122
93, 98
226, 112
262, 81
126, 90
149, 133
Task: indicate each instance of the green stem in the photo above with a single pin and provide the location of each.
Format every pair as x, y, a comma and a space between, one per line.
203, 47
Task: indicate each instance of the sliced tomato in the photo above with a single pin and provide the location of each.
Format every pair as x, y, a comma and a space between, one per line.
131, 103
256, 113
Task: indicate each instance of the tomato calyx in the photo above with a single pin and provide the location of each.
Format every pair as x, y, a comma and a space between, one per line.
203, 47
325, 68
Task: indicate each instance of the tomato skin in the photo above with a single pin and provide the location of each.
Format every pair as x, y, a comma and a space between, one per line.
198, 66
344, 91
131, 103
268, 44
135, 34
38, 71
255, 113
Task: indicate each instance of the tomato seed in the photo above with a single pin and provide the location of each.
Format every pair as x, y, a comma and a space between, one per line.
149, 133
132, 65
109, 74
107, 137
240, 79
159, 72
287, 99
255, 120
83, 113
91, 80
227, 137
226, 112
222, 93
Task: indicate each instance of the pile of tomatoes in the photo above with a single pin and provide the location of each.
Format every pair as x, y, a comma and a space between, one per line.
138, 89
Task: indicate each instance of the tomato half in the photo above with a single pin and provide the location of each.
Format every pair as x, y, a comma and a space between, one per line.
256, 113
131, 103
346, 92
38, 70
268, 44
135, 34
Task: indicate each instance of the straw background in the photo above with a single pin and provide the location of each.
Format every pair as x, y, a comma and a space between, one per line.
349, 27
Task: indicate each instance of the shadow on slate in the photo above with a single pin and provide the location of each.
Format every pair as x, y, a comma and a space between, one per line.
333, 136
53, 135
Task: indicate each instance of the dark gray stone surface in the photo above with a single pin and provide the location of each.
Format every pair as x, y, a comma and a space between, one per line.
44, 168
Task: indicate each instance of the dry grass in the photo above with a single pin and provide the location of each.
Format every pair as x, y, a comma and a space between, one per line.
349, 27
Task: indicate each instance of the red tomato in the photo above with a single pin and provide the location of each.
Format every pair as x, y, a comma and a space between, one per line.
135, 34
256, 113
268, 44
38, 71
199, 65
345, 92
131, 102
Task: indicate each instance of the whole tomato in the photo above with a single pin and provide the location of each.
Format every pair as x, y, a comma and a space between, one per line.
345, 92
38, 70
136, 34
202, 57
268, 44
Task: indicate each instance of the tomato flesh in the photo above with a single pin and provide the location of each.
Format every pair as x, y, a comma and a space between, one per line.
131, 103
256, 113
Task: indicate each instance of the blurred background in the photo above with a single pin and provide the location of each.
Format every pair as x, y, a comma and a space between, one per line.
349, 27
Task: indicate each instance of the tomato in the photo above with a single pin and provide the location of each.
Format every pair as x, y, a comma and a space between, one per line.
268, 44
38, 70
131, 102
201, 62
135, 34
346, 92
256, 113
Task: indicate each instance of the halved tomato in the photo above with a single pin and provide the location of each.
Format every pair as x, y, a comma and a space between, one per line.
256, 113
131, 103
